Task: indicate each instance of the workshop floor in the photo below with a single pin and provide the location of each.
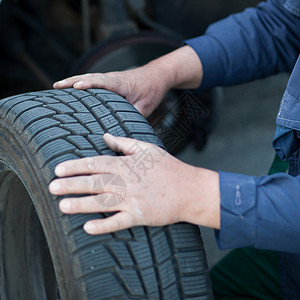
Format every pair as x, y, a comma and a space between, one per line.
241, 141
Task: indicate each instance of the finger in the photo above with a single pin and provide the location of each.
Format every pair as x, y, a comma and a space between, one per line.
72, 185
91, 184
141, 109
67, 82
87, 165
118, 221
124, 145
82, 81
106, 202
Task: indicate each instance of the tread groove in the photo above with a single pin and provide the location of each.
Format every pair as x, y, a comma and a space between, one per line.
137, 269
139, 263
156, 271
175, 264
94, 115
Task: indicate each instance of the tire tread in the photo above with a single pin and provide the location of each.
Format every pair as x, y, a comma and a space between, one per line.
140, 263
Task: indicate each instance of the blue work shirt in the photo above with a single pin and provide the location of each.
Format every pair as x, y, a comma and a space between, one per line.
261, 212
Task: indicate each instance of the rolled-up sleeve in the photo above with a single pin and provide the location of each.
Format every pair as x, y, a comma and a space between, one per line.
260, 212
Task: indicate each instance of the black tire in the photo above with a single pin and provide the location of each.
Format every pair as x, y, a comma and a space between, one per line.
182, 117
47, 255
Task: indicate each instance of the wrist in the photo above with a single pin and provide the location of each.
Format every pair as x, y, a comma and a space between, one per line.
188, 70
181, 69
161, 74
201, 204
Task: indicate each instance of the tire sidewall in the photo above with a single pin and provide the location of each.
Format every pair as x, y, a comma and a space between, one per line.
54, 225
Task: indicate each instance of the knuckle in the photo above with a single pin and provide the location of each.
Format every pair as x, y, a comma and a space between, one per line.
92, 164
93, 183
103, 227
117, 147
111, 81
130, 84
97, 199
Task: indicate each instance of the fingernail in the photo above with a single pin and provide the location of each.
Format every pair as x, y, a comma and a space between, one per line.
60, 170
65, 205
77, 84
107, 134
89, 227
54, 187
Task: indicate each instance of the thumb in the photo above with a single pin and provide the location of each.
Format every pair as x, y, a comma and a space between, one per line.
124, 145
141, 110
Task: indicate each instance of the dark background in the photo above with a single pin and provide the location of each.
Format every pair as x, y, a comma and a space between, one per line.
42, 40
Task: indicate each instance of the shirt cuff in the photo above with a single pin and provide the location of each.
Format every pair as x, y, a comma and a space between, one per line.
238, 211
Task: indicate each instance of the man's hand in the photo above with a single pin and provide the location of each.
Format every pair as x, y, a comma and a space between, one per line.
140, 87
146, 86
147, 186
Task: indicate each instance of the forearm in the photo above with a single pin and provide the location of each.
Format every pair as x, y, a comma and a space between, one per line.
201, 197
181, 69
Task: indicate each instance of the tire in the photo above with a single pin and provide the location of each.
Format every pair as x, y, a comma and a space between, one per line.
46, 254
182, 117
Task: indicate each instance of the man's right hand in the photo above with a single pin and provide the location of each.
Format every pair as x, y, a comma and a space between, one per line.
145, 87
